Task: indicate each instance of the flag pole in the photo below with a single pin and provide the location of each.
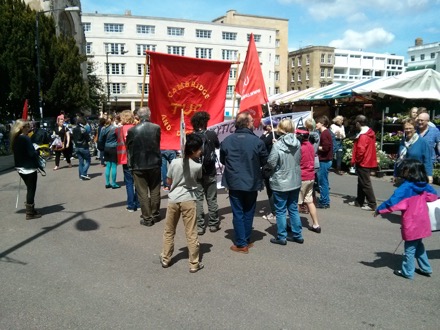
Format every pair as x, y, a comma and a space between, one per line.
144, 78
271, 121
182, 133
235, 93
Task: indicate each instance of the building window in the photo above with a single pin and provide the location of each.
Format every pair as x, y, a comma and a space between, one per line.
176, 50
203, 34
203, 53
329, 73
422, 57
299, 59
322, 73
277, 59
293, 63
277, 43
140, 69
432, 55
307, 59
257, 37
146, 29
114, 49
299, 77
307, 75
293, 77
230, 91
229, 55
88, 48
322, 58
229, 36
277, 76
118, 88
277, 90
233, 73
329, 59
110, 27
87, 27
115, 68
146, 88
141, 49
413, 58
175, 31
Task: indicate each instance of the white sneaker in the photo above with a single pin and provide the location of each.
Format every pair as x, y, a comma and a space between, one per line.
354, 203
366, 208
269, 216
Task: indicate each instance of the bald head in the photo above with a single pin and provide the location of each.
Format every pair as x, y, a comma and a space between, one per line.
423, 121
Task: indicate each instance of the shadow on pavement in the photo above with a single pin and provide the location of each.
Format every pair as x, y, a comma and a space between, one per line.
86, 225
385, 259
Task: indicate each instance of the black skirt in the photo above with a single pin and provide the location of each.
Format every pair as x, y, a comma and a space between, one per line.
110, 155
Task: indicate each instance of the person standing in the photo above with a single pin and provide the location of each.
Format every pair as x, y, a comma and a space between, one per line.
127, 121
413, 147
307, 165
182, 177
325, 154
26, 163
82, 139
207, 185
267, 137
109, 139
62, 133
430, 134
339, 131
411, 198
243, 154
144, 160
364, 158
284, 160
167, 157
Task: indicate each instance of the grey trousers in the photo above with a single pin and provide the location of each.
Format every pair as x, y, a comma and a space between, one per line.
207, 188
147, 183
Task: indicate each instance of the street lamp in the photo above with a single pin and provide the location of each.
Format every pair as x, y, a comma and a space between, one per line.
37, 48
107, 69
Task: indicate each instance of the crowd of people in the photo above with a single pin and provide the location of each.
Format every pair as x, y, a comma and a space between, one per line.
293, 163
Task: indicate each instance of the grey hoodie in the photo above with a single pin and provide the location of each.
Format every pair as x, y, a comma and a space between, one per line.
285, 158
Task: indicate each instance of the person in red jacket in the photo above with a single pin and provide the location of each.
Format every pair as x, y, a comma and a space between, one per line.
364, 158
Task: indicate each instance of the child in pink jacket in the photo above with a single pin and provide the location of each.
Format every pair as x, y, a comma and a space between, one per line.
411, 198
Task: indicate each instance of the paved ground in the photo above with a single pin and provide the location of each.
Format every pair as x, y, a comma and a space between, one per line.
88, 264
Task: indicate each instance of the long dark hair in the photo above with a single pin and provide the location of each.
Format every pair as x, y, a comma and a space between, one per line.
413, 170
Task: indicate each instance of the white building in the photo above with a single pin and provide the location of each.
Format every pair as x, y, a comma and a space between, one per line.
120, 41
424, 56
353, 65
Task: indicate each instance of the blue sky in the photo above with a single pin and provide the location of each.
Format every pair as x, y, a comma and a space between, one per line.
382, 26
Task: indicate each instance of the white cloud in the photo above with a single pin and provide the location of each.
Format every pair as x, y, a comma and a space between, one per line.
377, 37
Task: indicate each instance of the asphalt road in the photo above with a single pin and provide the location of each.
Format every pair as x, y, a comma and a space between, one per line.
88, 264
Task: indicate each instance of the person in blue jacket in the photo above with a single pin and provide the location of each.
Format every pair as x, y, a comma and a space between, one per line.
243, 154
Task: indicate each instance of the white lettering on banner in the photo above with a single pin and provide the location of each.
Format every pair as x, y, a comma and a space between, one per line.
245, 96
228, 127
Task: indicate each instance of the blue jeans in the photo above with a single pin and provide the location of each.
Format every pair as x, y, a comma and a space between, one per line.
415, 249
83, 155
167, 157
324, 187
287, 201
132, 198
243, 205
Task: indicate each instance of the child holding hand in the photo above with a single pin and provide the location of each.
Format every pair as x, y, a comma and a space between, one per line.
411, 198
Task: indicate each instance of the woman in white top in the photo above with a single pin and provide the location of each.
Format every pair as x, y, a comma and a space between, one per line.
339, 131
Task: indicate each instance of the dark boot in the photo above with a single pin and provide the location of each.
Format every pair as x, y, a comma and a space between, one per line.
31, 213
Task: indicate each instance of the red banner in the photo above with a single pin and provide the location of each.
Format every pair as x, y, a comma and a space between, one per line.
24, 115
182, 83
250, 84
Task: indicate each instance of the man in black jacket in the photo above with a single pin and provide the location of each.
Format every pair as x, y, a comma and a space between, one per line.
145, 160
82, 138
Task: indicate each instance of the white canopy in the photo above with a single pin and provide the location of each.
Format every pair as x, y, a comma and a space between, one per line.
421, 84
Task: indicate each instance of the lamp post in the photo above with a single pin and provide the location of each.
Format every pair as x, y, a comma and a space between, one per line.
107, 69
37, 48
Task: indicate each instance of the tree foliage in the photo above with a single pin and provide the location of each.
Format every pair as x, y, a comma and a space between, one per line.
62, 82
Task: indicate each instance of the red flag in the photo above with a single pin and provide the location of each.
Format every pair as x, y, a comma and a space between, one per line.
189, 84
25, 110
250, 84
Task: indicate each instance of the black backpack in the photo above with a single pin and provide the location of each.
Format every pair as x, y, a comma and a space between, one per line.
209, 157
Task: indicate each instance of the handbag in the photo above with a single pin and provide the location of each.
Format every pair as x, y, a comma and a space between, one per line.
57, 144
41, 165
